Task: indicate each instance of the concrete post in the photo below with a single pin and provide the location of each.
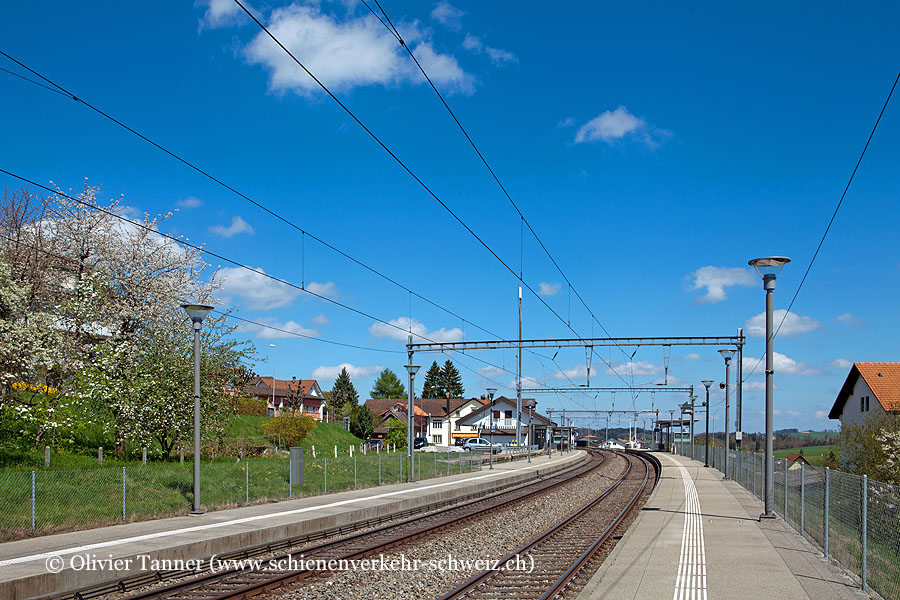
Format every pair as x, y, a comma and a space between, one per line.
46, 456
144, 455
354, 471
100, 456
247, 481
325, 469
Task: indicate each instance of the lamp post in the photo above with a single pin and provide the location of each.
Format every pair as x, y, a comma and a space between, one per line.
727, 354
272, 346
491, 392
707, 383
410, 412
671, 423
769, 268
197, 312
692, 398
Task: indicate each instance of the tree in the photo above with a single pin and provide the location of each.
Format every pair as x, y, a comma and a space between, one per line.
451, 381
288, 430
362, 422
432, 388
343, 394
388, 385
872, 447
396, 433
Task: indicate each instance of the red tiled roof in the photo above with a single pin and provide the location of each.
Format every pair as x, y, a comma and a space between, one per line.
883, 378
794, 457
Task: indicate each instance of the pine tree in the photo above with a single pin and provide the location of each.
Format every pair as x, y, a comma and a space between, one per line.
362, 422
388, 385
451, 381
433, 386
343, 394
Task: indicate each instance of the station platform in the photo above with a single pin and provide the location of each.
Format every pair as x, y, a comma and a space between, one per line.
700, 537
27, 566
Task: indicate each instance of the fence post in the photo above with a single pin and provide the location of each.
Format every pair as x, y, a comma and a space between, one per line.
100, 456
144, 455
827, 496
354, 471
448, 462
865, 527
32, 501
379, 468
247, 479
325, 468
123, 493
434, 472
785, 489
802, 497
290, 477
46, 456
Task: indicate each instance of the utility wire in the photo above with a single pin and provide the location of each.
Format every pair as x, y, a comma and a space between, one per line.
409, 171
831, 221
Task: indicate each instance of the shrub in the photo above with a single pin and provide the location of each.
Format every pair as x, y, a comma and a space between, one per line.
288, 430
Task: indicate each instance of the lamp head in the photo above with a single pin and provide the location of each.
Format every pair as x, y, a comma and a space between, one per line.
769, 267
727, 353
412, 369
707, 383
197, 312
491, 392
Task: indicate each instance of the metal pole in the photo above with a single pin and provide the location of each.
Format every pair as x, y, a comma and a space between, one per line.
769, 285
706, 458
530, 426
247, 481
738, 398
519, 379
802, 497
354, 471
864, 526
492, 433
325, 469
785, 488
727, 409
827, 494
197, 324
32, 501
410, 410
123, 493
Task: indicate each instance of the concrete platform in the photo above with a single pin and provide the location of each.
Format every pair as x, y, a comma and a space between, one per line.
26, 565
699, 537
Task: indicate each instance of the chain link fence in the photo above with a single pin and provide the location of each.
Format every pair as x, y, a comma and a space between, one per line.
853, 520
47, 501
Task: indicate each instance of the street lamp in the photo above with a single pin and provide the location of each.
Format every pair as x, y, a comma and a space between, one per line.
491, 392
410, 411
692, 397
769, 268
197, 312
707, 383
272, 346
727, 354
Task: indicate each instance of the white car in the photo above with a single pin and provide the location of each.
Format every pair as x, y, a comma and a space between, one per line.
482, 445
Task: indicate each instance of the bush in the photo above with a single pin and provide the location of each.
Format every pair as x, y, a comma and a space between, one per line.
288, 430
255, 407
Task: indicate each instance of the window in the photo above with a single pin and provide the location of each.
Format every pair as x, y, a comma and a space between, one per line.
457, 426
438, 439
437, 423
867, 404
508, 414
496, 414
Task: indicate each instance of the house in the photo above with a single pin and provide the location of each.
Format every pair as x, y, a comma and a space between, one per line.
436, 419
300, 396
502, 420
871, 388
796, 460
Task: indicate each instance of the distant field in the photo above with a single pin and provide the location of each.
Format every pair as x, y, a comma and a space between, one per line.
814, 454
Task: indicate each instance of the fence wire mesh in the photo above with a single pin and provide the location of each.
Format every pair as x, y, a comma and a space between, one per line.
46, 501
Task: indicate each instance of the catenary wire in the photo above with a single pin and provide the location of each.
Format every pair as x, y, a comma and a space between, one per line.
831, 221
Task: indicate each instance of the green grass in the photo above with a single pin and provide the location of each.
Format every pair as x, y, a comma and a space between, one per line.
247, 428
328, 435
814, 454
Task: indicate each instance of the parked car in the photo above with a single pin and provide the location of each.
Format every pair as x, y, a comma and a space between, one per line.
482, 445
373, 444
419, 442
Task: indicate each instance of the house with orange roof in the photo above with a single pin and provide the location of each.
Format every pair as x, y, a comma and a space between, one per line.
298, 396
871, 388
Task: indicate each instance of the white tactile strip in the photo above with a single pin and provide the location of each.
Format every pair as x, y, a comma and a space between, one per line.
691, 581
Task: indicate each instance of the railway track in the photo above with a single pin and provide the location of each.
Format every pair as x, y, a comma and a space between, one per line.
238, 583
544, 567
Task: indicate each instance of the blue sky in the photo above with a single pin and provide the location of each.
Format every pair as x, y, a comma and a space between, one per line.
654, 147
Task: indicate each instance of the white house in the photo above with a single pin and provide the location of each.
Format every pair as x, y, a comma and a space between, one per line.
871, 388
503, 420
437, 419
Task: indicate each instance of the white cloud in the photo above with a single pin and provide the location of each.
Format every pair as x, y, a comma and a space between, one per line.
419, 331
640, 367
784, 365
821, 414
840, 363
261, 292
190, 202
691, 356
849, 319
326, 373
348, 53
579, 370
548, 289
499, 56
612, 125
716, 279
289, 329
567, 122
753, 386
238, 225
220, 13
490, 371
471, 42
328, 290
448, 15
793, 324
321, 320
